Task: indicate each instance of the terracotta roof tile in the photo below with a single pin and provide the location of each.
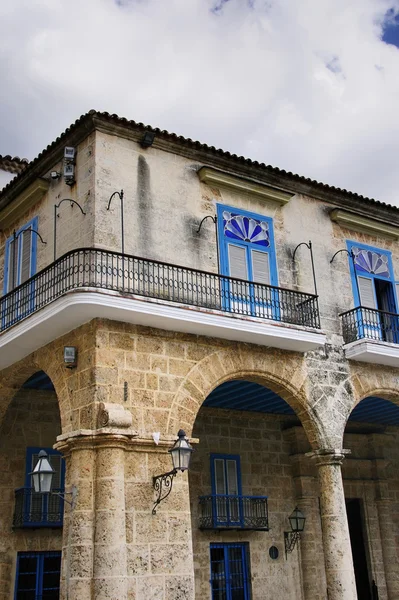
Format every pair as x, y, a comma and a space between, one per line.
188, 142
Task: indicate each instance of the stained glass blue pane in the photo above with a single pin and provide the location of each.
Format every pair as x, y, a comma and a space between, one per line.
246, 229
369, 261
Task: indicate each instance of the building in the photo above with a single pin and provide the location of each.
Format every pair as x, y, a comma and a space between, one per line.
254, 309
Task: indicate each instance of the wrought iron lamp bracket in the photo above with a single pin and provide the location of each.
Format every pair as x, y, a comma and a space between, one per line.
290, 540
309, 247
352, 256
214, 219
72, 493
163, 486
120, 196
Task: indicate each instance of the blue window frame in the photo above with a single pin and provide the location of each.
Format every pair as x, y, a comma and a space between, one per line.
44, 510
38, 576
20, 260
230, 577
19, 266
226, 490
247, 252
374, 289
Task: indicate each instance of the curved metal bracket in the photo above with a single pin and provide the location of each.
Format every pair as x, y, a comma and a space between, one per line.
120, 195
290, 540
351, 254
72, 202
214, 219
163, 486
309, 247
16, 236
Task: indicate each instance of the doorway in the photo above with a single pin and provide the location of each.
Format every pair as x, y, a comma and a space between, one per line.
357, 537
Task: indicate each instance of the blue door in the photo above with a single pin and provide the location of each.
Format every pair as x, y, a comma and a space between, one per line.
247, 254
374, 291
229, 572
226, 490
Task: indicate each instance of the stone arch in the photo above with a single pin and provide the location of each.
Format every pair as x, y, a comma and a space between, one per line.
366, 381
283, 374
12, 379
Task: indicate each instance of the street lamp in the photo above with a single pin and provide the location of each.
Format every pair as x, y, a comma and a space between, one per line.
42, 477
181, 455
297, 522
42, 474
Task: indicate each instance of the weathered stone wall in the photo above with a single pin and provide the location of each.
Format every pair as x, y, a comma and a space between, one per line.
32, 419
74, 230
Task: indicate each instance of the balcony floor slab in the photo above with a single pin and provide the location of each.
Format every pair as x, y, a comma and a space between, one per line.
76, 308
369, 351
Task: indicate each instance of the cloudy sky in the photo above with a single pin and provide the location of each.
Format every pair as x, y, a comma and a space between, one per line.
310, 86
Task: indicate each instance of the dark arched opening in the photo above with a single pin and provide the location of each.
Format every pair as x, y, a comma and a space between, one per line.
371, 478
31, 523
243, 488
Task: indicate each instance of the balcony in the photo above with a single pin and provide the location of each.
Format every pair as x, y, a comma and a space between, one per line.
88, 283
233, 512
37, 510
371, 336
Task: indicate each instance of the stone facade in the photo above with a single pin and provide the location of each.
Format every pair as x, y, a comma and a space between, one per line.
115, 416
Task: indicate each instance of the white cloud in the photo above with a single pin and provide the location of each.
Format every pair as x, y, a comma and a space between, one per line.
304, 85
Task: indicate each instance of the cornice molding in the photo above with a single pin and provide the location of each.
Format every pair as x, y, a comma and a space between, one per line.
364, 224
218, 178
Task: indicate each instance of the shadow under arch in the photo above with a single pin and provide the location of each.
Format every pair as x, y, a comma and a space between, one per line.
283, 376
13, 379
378, 406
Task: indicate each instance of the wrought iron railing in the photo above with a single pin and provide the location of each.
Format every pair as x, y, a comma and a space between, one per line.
233, 512
369, 323
37, 510
90, 267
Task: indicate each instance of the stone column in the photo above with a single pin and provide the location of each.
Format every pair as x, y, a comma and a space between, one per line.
94, 561
336, 541
77, 542
110, 553
388, 542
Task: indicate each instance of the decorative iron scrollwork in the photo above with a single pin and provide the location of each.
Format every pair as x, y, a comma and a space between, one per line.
163, 486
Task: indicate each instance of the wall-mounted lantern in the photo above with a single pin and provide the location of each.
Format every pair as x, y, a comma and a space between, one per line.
147, 140
297, 522
42, 474
70, 357
42, 478
181, 455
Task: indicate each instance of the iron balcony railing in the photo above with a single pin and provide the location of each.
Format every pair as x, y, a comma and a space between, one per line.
94, 268
37, 510
369, 323
233, 512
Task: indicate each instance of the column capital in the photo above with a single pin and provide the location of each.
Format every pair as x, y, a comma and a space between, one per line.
110, 437
328, 456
